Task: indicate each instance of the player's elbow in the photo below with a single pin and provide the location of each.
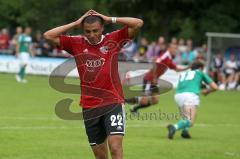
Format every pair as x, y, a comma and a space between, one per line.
47, 36
139, 23
52, 39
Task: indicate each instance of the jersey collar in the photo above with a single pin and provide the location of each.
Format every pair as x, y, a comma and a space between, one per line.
102, 37
169, 54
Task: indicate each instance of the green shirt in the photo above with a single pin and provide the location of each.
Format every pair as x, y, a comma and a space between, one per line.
191, 81
24, 43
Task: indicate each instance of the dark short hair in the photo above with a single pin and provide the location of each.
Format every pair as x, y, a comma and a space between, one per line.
92, 19
197, 65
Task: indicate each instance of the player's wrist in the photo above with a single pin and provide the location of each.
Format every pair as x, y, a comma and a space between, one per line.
113, 20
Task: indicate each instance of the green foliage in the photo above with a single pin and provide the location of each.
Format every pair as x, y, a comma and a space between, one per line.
187, 29
41, 15
180, 18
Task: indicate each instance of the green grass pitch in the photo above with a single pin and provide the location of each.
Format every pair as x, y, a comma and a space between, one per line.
29, 128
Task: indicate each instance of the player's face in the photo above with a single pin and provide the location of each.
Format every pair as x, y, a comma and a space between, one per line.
19, 30
93, 32
28, 31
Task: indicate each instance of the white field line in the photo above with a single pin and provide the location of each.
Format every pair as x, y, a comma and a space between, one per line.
29, 118
128, 126
138, 122
231, 154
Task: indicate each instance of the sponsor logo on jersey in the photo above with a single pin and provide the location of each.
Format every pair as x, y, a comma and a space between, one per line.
104, 49
93, 64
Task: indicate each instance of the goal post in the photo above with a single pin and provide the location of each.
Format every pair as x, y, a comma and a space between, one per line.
220, 42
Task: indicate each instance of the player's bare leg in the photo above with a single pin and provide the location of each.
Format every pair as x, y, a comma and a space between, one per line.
115, 146
155, 99
188, 114
146, 101
101, 151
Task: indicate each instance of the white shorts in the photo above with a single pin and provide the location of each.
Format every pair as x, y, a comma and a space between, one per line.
24, 58
187, 99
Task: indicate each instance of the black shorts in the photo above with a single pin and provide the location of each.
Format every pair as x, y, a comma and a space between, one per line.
149, 89
104, 121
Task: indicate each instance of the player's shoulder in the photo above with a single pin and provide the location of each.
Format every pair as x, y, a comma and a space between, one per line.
164, 56
75, 38
21, 37
111, 34
118, 30
197, 71
201, 73
115, 32
30, 38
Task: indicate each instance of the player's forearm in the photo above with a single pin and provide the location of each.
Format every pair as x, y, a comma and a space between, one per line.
208, 91
130, 22
56, 32
134, 25
213, 86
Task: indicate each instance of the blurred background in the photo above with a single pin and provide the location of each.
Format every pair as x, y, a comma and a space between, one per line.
208, 30
202, 29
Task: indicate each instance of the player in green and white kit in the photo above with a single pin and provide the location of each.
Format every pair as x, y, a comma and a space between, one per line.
187, 97
23, 51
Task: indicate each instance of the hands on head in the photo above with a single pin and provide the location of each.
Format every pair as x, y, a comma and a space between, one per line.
92, 12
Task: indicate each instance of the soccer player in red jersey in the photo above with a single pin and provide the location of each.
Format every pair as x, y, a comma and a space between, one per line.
96, 56
150, 85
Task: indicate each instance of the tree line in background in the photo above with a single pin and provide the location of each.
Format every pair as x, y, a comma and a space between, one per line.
169, 18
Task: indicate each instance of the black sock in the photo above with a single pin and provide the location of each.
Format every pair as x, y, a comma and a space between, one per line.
140, 106
133, 100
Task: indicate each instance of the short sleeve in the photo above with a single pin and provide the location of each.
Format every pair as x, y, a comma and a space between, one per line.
120, 35
19, 38
207, 79
172, 65
66, 43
